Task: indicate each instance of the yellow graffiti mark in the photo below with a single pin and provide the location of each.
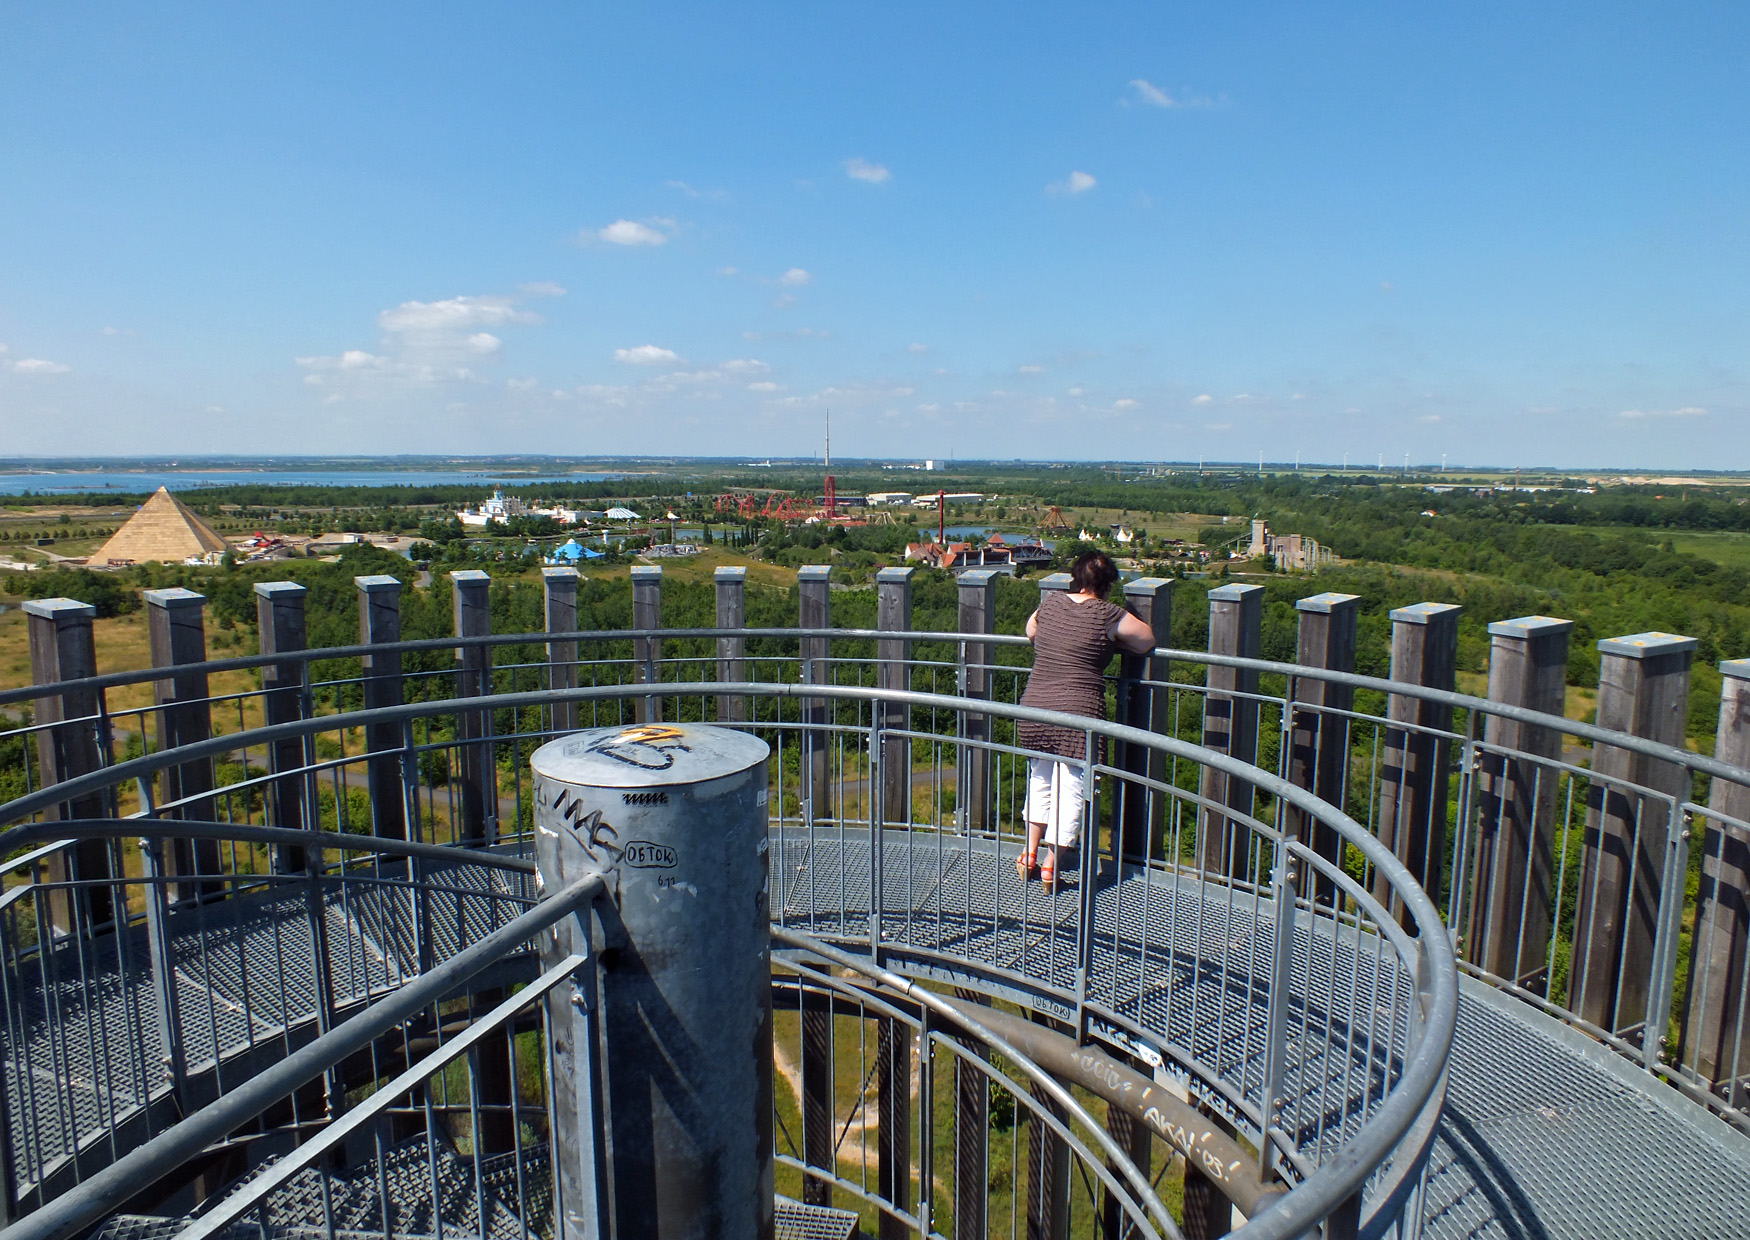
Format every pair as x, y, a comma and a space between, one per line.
650, 733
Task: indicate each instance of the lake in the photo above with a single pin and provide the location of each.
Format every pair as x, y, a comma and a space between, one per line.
96, 483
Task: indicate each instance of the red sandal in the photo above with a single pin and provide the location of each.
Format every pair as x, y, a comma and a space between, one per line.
1048, 872
1026, 863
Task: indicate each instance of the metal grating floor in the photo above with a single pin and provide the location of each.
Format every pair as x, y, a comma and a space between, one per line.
1546, 1135
80, 1034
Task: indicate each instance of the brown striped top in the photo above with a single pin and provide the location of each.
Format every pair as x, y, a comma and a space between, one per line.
1071, 647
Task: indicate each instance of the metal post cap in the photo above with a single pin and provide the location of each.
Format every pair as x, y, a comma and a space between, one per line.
648, 755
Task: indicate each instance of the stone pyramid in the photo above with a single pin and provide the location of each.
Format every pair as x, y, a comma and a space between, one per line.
163, 529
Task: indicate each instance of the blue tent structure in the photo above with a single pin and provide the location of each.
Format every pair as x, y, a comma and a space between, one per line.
571, 551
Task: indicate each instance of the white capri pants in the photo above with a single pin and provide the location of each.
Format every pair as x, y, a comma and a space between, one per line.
1055, 797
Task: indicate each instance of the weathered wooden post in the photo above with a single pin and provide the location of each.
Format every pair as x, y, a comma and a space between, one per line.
893, 1114
1318, 732
731, 650
814, 590
478, 783
1048, 1172
1643, 690
1230, 726
977, 589
62, 649
279, 619
380, 625
1133, 1137
559, 586
176, 632
972, 1087
893, 1038
1512, 867
1719, 1022
647, 651
893, 671
1412, 791
1138, 813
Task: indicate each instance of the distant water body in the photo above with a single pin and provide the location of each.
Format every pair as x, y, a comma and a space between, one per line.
98, 484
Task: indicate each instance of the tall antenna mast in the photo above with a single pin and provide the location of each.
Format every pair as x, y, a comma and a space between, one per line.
829, 439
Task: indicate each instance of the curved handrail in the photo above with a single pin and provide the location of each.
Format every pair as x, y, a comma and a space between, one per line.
1336, 1180
106, 1191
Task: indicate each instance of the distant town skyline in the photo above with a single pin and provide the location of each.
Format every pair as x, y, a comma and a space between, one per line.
1131, 232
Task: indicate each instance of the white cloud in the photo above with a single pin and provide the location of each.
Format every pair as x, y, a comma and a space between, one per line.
1124, 403
542, 288
745, 366
1032, 368
428, 320
1146, 92
4, 349
915, 347
112, 331
860, 169
1076, 391
765, 385
728, 271
1688, 411
646, 355
522, 385
39, 366
427, 342
796, 277
631, 232
1205, 399
1077, 182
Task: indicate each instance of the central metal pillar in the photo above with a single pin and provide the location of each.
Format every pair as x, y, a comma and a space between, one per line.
663, 1059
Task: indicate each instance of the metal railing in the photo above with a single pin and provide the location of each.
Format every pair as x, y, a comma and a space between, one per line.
1590, 873
1515, 840
1360, 998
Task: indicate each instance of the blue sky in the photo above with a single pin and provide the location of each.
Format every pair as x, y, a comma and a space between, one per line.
1510, 234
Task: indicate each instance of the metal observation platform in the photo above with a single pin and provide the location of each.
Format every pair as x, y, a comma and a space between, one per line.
322, 943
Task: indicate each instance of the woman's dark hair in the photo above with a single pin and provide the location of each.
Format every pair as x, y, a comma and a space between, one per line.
1095, 573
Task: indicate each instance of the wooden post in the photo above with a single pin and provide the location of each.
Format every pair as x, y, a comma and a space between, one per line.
893, 671
1643, 689
1057, 581
1048, 1174
893, 1109
731, 651
176, 632
1230, 726
1512, 867
817, 1086
1718, 1045
813, 584
1137, 813
560, 588
1318, 735
478, 784
647, 651
380, 625
62, 649
1208, 1213
1132, 1136
977, 588
1412, 791
279, 619
972, 1085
